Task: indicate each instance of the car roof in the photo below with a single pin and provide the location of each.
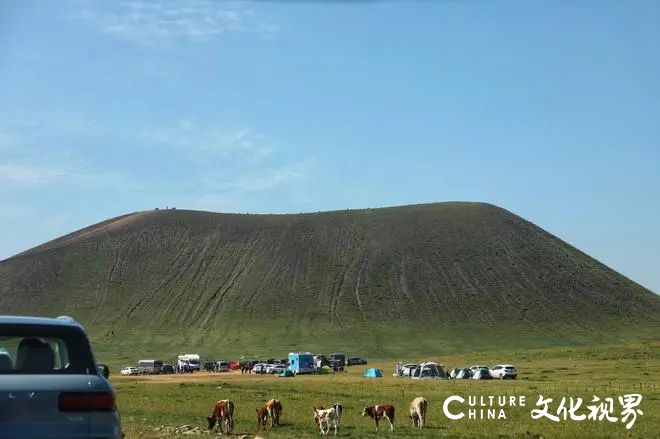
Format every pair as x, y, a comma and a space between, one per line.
29, 320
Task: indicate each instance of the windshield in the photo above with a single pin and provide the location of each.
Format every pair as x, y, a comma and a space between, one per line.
44, 350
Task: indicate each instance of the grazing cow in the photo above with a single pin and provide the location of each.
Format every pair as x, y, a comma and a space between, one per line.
338, 409
418, 407
316, 418
262, 417
326, 419
378, 412
272, 409
223, 412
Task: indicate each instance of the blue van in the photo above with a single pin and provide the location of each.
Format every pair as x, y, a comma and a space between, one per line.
302, 362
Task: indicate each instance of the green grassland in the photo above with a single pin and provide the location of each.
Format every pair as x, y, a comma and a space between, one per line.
605, 371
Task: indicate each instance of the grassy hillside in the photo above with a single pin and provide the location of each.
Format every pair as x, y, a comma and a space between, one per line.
427, 278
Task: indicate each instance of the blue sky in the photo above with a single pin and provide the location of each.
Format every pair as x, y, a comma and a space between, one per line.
548, 108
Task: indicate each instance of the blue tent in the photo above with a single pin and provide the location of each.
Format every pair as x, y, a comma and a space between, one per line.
373, 373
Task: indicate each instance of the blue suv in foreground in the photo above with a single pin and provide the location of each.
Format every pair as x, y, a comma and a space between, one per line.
50, 385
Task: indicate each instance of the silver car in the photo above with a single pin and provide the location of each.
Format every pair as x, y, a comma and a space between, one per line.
50, 386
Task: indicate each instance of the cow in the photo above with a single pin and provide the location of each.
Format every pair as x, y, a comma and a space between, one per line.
338, 409
223, 412
316, 418
262, 417
272, 409
326, 419
378, 412
418, 408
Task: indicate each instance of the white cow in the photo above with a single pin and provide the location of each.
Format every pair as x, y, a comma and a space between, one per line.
327, 418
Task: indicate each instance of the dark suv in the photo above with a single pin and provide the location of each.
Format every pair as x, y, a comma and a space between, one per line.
50, 385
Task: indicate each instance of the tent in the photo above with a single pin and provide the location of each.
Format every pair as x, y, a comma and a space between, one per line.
325, 370
287, 373
429, 371
373, 373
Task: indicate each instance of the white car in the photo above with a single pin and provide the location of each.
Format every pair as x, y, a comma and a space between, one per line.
128, 370
504, 371
259, 368
276, 369
474, 369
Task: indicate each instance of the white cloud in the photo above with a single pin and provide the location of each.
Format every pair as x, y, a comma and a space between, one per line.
161, 23
248, 191
268, 179
28, 176
186, 136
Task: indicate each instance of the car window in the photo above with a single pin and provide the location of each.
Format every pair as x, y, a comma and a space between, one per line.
27, 349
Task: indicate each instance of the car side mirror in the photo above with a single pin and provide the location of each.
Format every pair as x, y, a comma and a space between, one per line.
103, 370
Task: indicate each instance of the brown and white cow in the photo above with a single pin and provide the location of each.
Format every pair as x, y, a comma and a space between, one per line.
378, 412
262, 417
272, 409
418, 408
325, 419
223, 412
339, 409
316, 418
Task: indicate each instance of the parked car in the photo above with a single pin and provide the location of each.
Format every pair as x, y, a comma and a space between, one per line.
167, 368
339, 357
222, 366
130, 370
453, 372
259, 368
482, 374
277, 369
356, 361
149, 367
504, 371
55, 389
234, 365
464, 374
475, 368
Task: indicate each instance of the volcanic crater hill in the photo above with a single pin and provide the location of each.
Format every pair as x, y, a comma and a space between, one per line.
464, 270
